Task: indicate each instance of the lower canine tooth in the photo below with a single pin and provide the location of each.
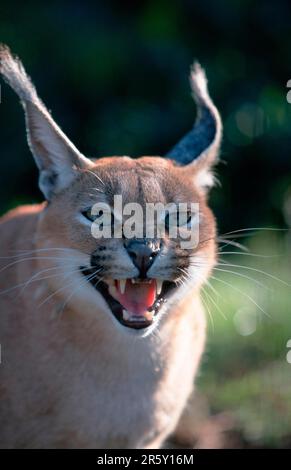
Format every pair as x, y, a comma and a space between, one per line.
122, 284
149, 316
159, 286
125, 314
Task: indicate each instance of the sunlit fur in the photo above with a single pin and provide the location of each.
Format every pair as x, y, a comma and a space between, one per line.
71, 375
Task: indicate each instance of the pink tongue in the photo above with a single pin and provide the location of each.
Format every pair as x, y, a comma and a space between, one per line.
137, 298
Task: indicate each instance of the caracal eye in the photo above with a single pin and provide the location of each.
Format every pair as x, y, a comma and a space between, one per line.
181, 219
90, 216
184, 218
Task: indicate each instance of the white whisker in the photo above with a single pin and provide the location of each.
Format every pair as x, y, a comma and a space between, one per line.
275, 278
208, 284
26, 283
255, 229
87, 279
230, 242
207, 308
242, 276
255, 255
243, 293
96, 176
61, 289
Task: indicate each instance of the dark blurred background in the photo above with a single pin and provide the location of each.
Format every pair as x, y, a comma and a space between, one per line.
115, 75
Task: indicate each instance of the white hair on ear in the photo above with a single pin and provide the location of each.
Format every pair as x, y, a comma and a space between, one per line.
198, 82
205, 179
13, 72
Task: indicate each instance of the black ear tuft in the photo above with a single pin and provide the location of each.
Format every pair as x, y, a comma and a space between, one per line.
203, 141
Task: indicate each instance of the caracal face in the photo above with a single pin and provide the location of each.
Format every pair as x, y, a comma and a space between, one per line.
105, 270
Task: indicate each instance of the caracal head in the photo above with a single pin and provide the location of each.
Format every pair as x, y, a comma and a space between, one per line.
129, 278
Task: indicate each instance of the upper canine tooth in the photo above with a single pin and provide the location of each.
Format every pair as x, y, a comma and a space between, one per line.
112, 291
133, 281
122, 284
159, 286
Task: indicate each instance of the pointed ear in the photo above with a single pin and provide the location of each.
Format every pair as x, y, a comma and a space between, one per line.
56, 157
198, 150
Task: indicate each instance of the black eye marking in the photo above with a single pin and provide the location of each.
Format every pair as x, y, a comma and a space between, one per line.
180, 221
104, 258
184, 265
97, 258
88, 215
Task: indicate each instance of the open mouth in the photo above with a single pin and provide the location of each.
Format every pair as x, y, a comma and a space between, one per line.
134, 302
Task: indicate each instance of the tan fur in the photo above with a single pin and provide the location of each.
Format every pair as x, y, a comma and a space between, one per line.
71, 376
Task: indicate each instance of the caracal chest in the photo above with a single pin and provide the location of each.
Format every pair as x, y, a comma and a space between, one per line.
127, 401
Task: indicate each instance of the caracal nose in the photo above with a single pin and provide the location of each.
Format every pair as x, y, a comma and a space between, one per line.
142, 253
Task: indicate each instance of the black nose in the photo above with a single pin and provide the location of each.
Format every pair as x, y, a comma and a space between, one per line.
142, 253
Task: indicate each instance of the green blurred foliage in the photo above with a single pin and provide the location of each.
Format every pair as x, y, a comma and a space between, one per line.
247, 365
